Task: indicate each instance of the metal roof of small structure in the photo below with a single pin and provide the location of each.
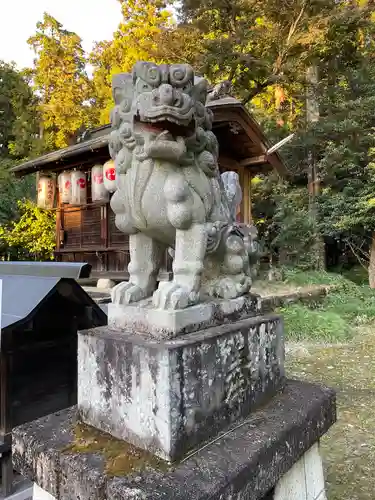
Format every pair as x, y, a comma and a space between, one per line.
74, 270
96, 141
21, 295
26, 286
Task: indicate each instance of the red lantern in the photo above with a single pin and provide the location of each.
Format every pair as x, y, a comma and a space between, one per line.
98, 190
65, 187
79, 191
109, 171
46, 192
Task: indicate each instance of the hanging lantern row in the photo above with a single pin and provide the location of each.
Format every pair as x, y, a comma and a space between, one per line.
73, 185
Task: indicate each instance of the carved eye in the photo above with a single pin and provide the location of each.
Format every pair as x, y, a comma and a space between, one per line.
152, 75
115, 117
149, 73
117, 95
187, 88
143, 86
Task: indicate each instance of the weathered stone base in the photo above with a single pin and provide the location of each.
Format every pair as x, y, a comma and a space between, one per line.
142, 317
304, 481
247, 463
168, 397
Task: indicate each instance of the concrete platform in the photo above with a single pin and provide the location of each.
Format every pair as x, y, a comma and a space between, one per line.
249, 461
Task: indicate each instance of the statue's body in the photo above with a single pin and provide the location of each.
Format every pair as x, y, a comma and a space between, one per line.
170, 193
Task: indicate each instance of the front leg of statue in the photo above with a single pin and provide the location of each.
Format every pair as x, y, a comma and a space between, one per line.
189, 255
146, 257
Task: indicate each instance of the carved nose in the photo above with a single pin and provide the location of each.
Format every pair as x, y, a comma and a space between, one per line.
166, 95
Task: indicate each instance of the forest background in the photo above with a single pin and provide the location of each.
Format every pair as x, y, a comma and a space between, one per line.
300, 66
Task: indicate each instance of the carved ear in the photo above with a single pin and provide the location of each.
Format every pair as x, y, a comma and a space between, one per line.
122, 87
200, 89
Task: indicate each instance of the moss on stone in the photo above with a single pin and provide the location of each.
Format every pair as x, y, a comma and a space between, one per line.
121, 458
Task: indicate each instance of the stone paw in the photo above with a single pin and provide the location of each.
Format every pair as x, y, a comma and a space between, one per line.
244, 285
229, 288
170, 295
126, 292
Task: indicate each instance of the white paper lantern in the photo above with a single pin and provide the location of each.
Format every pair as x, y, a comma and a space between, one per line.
98, 190
109, 173
46, 191
79, 188
65, 187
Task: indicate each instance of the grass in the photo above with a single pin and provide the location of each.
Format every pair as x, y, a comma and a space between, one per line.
303, 323
347, 306
304, 278
346, 320
349, 447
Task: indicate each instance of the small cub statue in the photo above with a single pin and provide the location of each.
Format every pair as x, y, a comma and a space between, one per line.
170, 194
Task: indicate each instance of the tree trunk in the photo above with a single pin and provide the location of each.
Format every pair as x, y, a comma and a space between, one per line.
312, 115
371, 267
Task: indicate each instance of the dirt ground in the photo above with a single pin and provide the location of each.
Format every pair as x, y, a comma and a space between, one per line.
349, 448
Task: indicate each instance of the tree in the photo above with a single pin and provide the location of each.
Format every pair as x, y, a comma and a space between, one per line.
19, 138
264, 47
342, 142
346, 152
18, 114
138, 37
12, 190
33, 235
61, 81
285, 226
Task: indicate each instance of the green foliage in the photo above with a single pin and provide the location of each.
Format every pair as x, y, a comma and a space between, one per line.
335, 319
33, 234
19, 138
282, 215
60, 78
303, 323
265, 47
298, 277
12, 190
18, 114
357, 274
138, 37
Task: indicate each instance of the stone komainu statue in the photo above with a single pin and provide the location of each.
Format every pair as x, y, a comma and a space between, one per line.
170, 194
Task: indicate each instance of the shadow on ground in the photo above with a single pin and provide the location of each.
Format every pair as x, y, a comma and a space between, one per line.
349, 448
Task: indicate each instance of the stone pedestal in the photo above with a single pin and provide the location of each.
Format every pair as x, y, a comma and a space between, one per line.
182, 405
169, 396
270, 455
142, 318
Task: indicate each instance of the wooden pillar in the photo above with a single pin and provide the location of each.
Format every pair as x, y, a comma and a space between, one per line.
59, 239
246, 188
105, 236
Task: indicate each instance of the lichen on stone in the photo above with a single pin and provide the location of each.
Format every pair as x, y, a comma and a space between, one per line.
121, 458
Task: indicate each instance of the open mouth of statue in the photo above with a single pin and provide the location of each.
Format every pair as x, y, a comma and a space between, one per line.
173, 126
